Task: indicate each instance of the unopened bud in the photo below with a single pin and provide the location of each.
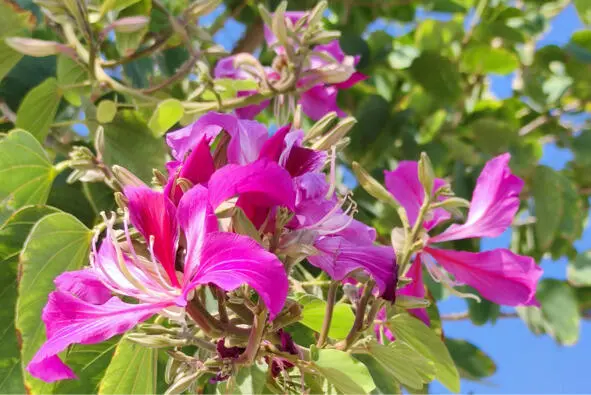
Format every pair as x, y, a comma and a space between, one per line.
173, 367
121, 201
335, 134
323, 37
129, 24
297, 117
203, 7
426, 174
317, 12
452, 202
159, 178
278, 25
216, 50
411, 302
37, 48
184, 184
373, 187
183, 382
265, 15
126, 178
320, 127
99, 142
398, 238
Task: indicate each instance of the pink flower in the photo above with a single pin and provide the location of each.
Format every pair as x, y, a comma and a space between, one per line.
499, 275
82, 309
343, 244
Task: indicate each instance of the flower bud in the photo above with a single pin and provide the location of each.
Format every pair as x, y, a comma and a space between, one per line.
321, 125
278, 25
203, 7
373, 187
37, 48
398, 238
335, 134
426, 174
323, 37
126, 178
129, 24
411, 302
316, 14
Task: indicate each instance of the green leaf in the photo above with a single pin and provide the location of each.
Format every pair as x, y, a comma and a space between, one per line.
228, 88
548, 205
130, 143
559, 316
472, 363
438, 76
427, 343
432, 127
13, 233
89, 361
482, 59
57, 243
38, 109
69, 73
27, 172
584, 10
483, 311
313, 316
70, 198
579, 270
167, 114
403, 363
581, 147
348, 375
133, 370
15, 229
13, 22
385, 384
106, 111
491, 135
127, 43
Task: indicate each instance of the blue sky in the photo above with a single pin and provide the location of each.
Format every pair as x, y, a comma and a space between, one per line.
525, 363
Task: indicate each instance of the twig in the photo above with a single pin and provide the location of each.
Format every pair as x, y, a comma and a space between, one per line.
466, 315
533, 125
330, 302
252, 38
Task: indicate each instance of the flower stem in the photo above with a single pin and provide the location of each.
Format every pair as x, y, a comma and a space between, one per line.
330, 302
359, 317
256, 336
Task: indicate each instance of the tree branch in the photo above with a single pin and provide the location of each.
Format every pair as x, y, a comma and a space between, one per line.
252, 38
466, 315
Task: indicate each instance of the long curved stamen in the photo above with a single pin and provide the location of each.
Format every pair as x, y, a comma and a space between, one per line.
443, 278
156, 266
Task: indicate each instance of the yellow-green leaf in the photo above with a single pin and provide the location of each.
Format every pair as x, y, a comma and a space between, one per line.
38, 109
167, 114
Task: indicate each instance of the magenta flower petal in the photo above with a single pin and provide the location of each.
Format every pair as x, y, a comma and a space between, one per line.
83, 284
354, 79
153, 214
320, 100
494, 203
70, 320
247, 137
285, 147
251, 111
196, 219
229, 260
263, 180
416, 288
197, 168
403, 183
338, 257
499, 275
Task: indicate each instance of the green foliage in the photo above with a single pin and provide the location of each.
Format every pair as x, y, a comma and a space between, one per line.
313, 316
346, 374
26, 169
56, 244
428, 90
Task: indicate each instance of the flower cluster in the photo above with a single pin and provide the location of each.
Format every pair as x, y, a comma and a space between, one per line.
325, 69
241, 208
